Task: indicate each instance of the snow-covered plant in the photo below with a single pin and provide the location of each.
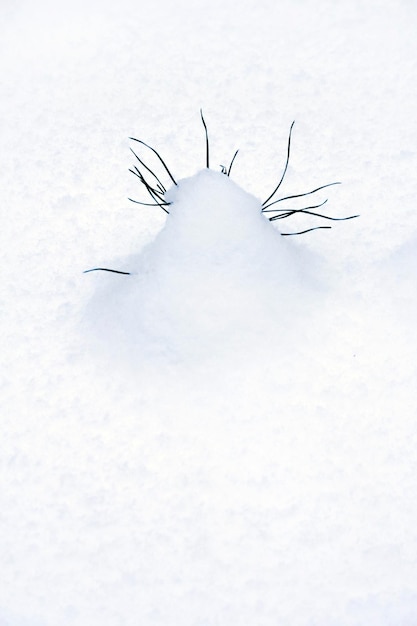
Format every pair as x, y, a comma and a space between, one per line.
270, 208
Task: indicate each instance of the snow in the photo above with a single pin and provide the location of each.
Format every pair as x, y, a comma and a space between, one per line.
216, 276
228, 434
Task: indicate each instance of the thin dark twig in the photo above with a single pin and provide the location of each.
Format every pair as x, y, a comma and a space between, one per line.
285, 168
327, 217
299, 195
142, 180
282, 216
304, 211
304, 231
149, 203
136, 173
231, 162
153, 192
159, 157
155, 197
104, 269
207, 140
149, 170
316, 206
307, 211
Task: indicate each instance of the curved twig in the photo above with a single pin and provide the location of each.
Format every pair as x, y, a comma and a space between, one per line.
149, 170
285, 168
299, 195
304, 231
316, 206
159, 157
149, 203
104, 269
231, 162
207, 140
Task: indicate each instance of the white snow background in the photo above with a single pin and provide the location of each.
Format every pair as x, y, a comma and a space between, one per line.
227, 436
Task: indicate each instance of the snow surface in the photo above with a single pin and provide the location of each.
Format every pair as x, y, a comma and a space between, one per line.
227, 435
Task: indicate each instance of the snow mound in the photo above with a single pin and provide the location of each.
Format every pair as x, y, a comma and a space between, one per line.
217, 276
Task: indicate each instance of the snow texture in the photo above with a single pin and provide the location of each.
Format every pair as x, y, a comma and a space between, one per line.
228, 434
216, 276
